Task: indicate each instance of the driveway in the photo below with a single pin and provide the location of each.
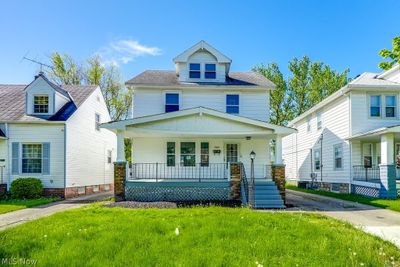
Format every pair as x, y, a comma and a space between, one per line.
14, 218
373, 220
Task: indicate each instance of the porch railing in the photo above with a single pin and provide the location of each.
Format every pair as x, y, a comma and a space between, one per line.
161, 171
367, 174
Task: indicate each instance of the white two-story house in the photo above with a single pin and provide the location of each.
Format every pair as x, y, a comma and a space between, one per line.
52, 133
350, 142
189, 122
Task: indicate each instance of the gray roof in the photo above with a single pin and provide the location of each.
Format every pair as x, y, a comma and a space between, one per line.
12, 102
170, 78
371, 79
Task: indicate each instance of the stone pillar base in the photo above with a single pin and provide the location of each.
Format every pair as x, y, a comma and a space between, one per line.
119, 181
278, 176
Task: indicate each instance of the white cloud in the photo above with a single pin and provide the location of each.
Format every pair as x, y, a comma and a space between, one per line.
125, 51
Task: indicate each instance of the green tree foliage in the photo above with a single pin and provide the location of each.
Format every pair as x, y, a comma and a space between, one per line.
308, 84
392, 55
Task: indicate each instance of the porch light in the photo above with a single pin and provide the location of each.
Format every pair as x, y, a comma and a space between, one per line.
252, 155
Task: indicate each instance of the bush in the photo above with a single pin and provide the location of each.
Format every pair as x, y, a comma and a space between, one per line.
26, 188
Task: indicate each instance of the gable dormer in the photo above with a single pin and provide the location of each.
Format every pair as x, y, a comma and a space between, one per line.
393, 74
44, 98
202, 63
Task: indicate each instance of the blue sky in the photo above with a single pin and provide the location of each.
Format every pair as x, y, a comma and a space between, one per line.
139, 35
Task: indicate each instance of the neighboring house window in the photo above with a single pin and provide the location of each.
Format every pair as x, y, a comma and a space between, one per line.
97, 121
308, 124
319, 120
338, 155
170, 154
367, 155
41, 104
171, 102
194, 70
232, 104
188, 153
109, 156
317, 159
390, 106
205, 154
375, 106
210, 71
31, 158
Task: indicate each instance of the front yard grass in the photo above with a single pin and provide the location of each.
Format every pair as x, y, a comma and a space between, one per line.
212, 236
18, 204
377, 202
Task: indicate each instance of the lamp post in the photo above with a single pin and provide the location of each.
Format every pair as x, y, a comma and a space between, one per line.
252, 198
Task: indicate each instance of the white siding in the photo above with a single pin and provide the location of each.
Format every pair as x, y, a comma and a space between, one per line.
252, 104
60, 101
41, 133
335, 129
3, 156
87, 147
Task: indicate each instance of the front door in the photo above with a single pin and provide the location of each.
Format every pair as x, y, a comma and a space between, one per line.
232, 152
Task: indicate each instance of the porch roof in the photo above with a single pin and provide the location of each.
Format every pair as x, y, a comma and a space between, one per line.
255, 127
376, 132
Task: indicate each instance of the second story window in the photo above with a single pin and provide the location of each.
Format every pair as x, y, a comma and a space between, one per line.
194, 70
319, 120
41, 104
210, 71
97, 121
308, 124
171, 102
390, 106
232, 104
375, 106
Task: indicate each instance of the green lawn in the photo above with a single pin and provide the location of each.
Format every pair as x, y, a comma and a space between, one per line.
212, 236
382, 203
18, 204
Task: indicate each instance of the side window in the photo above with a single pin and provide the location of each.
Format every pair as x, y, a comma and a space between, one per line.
390, 106
232, 104
170, 154
317, 159
171, 102
308, 124
97, 121
210, 71
319, 120
194, 71
109, 156
338, 156
375, 106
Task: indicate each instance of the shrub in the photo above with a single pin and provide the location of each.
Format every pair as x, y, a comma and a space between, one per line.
26, 188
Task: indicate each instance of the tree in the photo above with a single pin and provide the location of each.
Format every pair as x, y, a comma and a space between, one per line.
309, 83
393, 55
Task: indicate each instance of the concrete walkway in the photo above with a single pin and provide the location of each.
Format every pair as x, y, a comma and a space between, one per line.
14, 218
380, 222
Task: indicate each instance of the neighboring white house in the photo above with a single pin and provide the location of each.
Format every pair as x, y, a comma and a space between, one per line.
53, 133
345, 141
199, 115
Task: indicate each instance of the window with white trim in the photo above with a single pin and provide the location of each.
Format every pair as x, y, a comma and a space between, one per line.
232, 104
210, 71
171, 102
194, 71
188, 154
308, 124
204, 154
41, 104
338, 156
31, 158
170, 154
317, 159
390, 106
319, 120
375, 106
109, 156
97, 120
367, 155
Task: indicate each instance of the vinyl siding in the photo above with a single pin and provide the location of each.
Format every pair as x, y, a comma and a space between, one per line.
335, 129
87, 147
3, 155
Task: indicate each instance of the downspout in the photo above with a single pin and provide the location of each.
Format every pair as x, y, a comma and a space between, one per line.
350, 144
65, 156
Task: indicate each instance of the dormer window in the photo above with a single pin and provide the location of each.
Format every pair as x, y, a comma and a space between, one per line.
210, 71
194, 70
41, 104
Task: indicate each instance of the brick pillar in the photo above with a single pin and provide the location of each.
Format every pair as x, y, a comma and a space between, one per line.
119, 181
278, 176
236, 178
388, 182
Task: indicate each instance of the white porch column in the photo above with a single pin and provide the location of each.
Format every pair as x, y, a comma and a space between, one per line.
120, 146
387, 149
278, 149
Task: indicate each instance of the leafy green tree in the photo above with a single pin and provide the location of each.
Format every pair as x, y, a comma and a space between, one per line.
65, 70
393, 55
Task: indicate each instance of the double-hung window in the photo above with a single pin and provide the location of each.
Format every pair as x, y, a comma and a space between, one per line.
367, 155
390, 106
171, 102
205, 154
375, 106
188, 154
319, 120
170, 154
97, 121
210, 71
338, 156
194, 71
31, 158
308, 124
41, 104
317, 159
232, 104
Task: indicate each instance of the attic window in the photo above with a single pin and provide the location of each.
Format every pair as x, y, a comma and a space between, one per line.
194, 70
210, 71
41, 104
